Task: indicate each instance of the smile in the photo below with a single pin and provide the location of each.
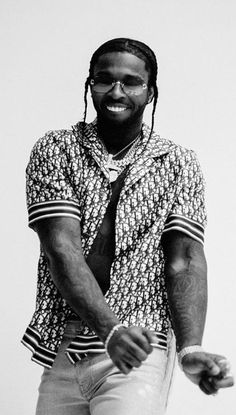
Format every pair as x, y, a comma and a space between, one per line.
116, 109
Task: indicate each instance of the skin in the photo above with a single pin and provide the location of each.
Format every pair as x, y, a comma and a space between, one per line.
61, 242
119, 129
186, 279
185, 262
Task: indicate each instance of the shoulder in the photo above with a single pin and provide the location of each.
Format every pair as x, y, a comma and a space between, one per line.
178, 154
185, 162
181, 160
175, 153
57, 142
53, 139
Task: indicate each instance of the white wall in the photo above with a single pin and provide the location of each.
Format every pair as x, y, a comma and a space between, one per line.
46, 46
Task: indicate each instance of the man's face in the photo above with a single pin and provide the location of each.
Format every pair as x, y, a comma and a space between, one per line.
115, 105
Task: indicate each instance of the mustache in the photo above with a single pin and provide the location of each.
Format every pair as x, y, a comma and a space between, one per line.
120, 102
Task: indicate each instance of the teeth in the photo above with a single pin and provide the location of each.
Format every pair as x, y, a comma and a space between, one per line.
116, 109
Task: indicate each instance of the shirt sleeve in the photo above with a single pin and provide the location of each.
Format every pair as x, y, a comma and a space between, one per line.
49, 189
188, 213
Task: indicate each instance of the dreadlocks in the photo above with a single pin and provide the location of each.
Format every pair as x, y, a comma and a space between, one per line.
136, 48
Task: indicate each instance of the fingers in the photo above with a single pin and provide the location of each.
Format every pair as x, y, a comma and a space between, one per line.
222, 378
137, 341
224, 367
220, 361
142, 339
218, 379
207, 386
209, 371
129, 347
135, 355
211, 385
131, 361
150, 336
138, 351
211, 367
225, 382
124, 367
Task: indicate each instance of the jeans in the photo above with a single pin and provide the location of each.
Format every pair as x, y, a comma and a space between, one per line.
94, 385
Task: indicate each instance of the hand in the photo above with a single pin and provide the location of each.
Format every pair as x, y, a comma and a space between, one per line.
209, 371
129, 347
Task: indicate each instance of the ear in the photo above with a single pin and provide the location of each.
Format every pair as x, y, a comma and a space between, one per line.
150, 94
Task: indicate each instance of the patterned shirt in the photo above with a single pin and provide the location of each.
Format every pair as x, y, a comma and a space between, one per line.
163, 191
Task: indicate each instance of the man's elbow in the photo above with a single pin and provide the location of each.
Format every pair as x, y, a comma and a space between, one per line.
187, 264
60, 251
176, 266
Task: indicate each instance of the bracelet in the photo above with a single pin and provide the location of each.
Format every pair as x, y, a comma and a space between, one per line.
113, 330
187, 350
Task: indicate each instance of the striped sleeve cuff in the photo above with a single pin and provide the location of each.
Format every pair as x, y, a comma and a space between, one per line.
41, 355
185, 225
53, 209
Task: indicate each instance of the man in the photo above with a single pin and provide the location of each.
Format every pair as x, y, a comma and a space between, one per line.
120, 215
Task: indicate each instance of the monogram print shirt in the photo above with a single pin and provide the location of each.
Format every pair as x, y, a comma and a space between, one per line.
163, 191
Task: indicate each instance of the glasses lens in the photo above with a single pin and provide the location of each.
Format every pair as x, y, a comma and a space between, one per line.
101, 86
129, 88
133, 89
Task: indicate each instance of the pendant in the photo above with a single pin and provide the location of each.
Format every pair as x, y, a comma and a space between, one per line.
113, 169
110, 164
113, 174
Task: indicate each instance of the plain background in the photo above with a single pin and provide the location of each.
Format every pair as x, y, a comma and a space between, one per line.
45, 52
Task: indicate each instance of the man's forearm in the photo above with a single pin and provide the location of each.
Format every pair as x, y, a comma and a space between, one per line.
187, 295
80, 289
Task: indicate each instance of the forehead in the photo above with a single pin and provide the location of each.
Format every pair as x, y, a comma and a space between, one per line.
121, 64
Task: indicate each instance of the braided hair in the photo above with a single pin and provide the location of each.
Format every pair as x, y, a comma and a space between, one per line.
135, 47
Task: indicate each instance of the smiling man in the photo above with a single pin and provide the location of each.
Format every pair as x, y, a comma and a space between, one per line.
122, 275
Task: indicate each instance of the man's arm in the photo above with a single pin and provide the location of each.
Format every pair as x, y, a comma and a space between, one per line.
61, 242
186, 280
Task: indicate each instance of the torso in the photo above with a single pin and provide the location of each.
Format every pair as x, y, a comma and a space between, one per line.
102, 252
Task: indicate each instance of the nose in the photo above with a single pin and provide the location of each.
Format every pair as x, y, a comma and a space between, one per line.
117, 91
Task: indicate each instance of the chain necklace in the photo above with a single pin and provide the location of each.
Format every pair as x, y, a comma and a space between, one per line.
115, 167
128, 145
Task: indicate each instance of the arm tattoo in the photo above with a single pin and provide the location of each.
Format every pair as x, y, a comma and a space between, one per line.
187, 293
186, 282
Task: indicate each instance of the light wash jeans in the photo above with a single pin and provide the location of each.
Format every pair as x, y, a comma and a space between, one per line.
94, 386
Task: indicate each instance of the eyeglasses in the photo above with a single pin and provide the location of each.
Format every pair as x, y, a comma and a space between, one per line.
102, 86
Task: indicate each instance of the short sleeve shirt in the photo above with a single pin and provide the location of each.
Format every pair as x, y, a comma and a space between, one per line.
163, 191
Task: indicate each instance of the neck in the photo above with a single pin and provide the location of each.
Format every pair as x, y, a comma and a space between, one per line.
117, 137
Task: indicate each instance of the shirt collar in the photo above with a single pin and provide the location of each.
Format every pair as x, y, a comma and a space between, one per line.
153, 146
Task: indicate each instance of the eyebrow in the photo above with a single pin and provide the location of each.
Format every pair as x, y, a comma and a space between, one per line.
126, 77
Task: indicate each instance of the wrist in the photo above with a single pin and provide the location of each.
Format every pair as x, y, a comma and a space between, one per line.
186, 351
103, 330
110, 335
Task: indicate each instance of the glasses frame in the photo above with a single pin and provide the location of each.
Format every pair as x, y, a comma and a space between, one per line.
122, 86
